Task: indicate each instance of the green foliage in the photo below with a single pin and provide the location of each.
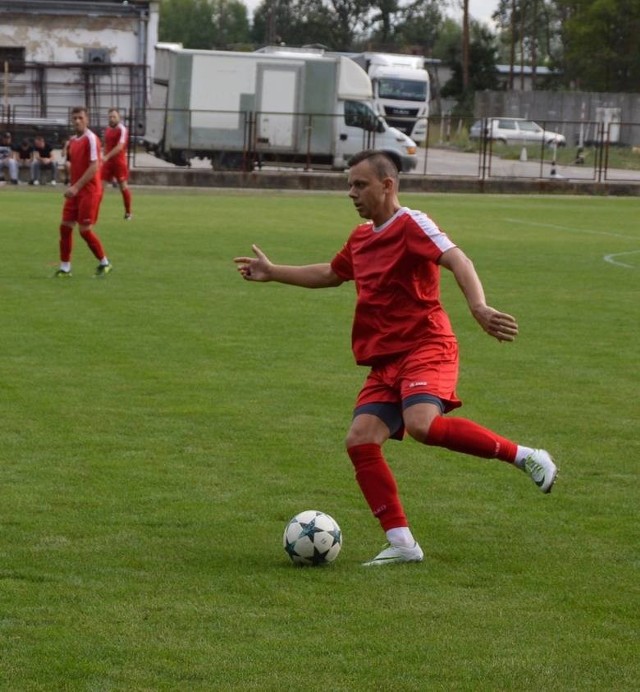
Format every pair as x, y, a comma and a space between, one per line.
413, 26
482, 68
333, 24
529, 31
295, 23
601, 44
591, 43
204, 24
159, 428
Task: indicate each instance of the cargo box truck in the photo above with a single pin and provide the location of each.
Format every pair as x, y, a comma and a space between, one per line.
245, 109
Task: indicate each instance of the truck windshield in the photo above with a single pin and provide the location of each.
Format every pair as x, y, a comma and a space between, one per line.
402, 89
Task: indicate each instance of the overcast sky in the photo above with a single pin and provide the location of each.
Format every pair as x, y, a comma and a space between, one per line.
478, 9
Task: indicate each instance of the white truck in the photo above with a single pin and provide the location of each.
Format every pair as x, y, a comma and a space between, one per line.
401, 90
245, 109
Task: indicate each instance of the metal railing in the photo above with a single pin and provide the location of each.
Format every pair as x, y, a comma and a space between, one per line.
594, 151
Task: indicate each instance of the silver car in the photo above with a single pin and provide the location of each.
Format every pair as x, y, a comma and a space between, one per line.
515, 131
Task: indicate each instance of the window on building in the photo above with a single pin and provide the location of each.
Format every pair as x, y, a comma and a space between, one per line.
13, 57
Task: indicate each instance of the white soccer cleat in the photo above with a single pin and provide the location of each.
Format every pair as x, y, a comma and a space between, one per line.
393, 554
540, 468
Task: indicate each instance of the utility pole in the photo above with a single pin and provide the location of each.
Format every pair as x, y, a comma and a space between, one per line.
465, 44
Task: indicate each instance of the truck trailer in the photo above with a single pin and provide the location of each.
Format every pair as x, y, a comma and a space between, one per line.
400, 90
245, 109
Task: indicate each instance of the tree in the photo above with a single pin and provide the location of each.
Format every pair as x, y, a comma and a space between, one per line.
385, 11
601, 49
482, 67
593, 44
332, 23
230, 21
529, 34
414, 26
465, 45
203, 23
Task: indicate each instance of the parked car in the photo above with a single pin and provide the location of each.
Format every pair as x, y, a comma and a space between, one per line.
515, 131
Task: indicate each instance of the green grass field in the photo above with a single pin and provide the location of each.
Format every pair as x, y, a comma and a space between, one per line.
160, 426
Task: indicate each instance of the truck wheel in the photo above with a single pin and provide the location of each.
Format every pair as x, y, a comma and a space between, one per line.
231, 161
179, 158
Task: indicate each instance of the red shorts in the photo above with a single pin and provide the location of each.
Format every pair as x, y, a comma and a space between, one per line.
115, 169
83, 208
430, 371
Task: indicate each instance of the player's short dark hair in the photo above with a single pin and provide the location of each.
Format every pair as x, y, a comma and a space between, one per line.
381, 162
79, 109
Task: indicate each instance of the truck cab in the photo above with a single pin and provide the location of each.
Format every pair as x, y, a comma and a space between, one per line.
362, 128
400, 91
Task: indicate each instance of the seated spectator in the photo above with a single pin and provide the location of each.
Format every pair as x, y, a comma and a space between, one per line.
24, 156
66, 164
43, 159
7, 159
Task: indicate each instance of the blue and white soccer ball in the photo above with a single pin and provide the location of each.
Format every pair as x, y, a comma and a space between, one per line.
312, 538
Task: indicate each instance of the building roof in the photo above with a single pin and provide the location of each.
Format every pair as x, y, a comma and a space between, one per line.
75, 7
527, 70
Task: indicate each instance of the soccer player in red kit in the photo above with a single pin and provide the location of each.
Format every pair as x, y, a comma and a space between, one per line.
83, 196
403, 334
114, 164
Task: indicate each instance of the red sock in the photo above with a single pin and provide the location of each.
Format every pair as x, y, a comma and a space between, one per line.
66, 242
94, 243
126, 196
378, 485
461, 435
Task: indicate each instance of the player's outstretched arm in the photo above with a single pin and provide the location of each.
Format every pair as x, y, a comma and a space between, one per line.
260, 268
498, 324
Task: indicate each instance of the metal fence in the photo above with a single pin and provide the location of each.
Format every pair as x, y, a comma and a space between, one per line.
43, 93
594, 151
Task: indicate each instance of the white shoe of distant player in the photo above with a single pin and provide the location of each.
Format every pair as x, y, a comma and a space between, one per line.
393, 554
540, 468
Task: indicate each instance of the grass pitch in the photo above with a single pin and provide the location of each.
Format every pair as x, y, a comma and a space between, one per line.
161, 425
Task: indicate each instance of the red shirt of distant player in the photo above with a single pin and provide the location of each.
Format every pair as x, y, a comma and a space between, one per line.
116, 167
82, 151
395, 267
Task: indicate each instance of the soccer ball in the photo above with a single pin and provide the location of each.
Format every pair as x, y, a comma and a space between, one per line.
312, 538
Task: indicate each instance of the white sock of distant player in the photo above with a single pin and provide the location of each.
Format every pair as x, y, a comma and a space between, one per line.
65, 266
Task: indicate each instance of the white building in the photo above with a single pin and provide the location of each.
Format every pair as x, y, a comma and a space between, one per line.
57, 54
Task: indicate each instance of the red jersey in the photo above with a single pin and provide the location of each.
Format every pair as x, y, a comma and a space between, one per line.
395, 267
114, 136
82, 151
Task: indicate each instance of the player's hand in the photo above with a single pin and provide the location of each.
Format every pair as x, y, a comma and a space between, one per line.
71, 191
499, 325
256, 268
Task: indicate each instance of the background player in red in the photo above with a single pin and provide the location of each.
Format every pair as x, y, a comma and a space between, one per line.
83, 196
402, 332
114, 164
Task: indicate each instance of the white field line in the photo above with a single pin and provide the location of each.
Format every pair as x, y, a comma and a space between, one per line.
607, 258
